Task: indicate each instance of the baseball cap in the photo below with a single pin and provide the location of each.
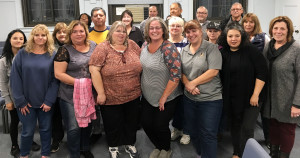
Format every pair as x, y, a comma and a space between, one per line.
213, 25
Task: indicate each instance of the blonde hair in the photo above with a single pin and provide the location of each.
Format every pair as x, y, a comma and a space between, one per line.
49, 46
70, 30
113, 28
176, 20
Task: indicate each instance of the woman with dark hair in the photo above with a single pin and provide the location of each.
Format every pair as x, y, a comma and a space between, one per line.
134, 33
283, 101
34, 88
14, 42
85, 18
244, 72
161, 74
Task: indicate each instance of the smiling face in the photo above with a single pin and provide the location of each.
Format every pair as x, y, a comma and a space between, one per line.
201, 14
175, 10
175, 29
40, 38
153, 11
127, 19
155, 31
78, 35
119, 36
194, 35
280, 32
61, 35
249, 25
17, 40
234, 39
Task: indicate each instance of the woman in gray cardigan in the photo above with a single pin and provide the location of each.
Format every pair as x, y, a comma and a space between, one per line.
283, 101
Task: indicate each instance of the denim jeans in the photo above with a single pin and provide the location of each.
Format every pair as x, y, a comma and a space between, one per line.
28, 127
202, 122
178, 119
77, 138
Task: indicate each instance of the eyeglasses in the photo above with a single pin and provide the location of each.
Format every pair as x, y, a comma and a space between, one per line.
155, 28
201, 13
175, 26
235, 9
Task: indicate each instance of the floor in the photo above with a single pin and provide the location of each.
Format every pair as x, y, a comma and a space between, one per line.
144, 146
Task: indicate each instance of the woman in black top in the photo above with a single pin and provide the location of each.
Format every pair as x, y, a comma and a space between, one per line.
243, 75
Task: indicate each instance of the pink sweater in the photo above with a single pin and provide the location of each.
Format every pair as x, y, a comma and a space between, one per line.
84, 104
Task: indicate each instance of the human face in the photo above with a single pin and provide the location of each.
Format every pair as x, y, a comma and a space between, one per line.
194, 35
17, 40
84, 18
280, 32
153, 11
236, 11
234, 39
98, 18
201, 14
175, 29
40, 38
127, 19
119, 35
78, 35
175, 10
249, 26
155, 31
61, 35
213, 34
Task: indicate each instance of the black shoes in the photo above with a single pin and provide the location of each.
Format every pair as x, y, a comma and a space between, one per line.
55, 146
35, 146
87, 154
15, 151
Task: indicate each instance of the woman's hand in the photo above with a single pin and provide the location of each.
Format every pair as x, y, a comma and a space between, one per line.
25, 109
254, 100
10, 106
45, 107
295, 112
161, 103
101, 98
196, 91
189, 86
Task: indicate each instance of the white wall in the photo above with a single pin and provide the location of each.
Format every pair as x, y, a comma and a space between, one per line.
264, 10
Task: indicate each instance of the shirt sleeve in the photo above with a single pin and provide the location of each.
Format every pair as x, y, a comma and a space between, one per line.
99, 54
16, 81
4, 87
62, 55
214, 58
51, 94
172, 60
260, 64
296, 100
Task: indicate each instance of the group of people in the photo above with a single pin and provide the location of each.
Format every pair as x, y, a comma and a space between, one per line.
205, 76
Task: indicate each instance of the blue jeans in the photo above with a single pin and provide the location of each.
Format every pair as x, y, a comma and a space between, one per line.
202, 122
77, 138
178, 118
28, 127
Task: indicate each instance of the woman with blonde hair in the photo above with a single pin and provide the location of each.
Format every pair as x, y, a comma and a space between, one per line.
116, 70
71, 65
34, 88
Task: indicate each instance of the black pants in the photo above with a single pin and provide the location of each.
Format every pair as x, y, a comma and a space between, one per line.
120, 122
156, 123
242, 128
14, 126
57, 126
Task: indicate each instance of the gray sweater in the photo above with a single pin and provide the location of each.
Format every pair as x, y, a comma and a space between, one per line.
4, 81
285, 85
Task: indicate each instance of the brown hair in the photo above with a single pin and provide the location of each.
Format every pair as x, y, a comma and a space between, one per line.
163, 26
192, 24
113, 28
289, 25
59, 26
254, 18
70, 30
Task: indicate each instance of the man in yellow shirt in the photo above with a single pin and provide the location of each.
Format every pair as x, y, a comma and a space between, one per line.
99, 32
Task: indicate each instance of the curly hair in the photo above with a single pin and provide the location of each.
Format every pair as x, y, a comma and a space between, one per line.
49, 46
7, 49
